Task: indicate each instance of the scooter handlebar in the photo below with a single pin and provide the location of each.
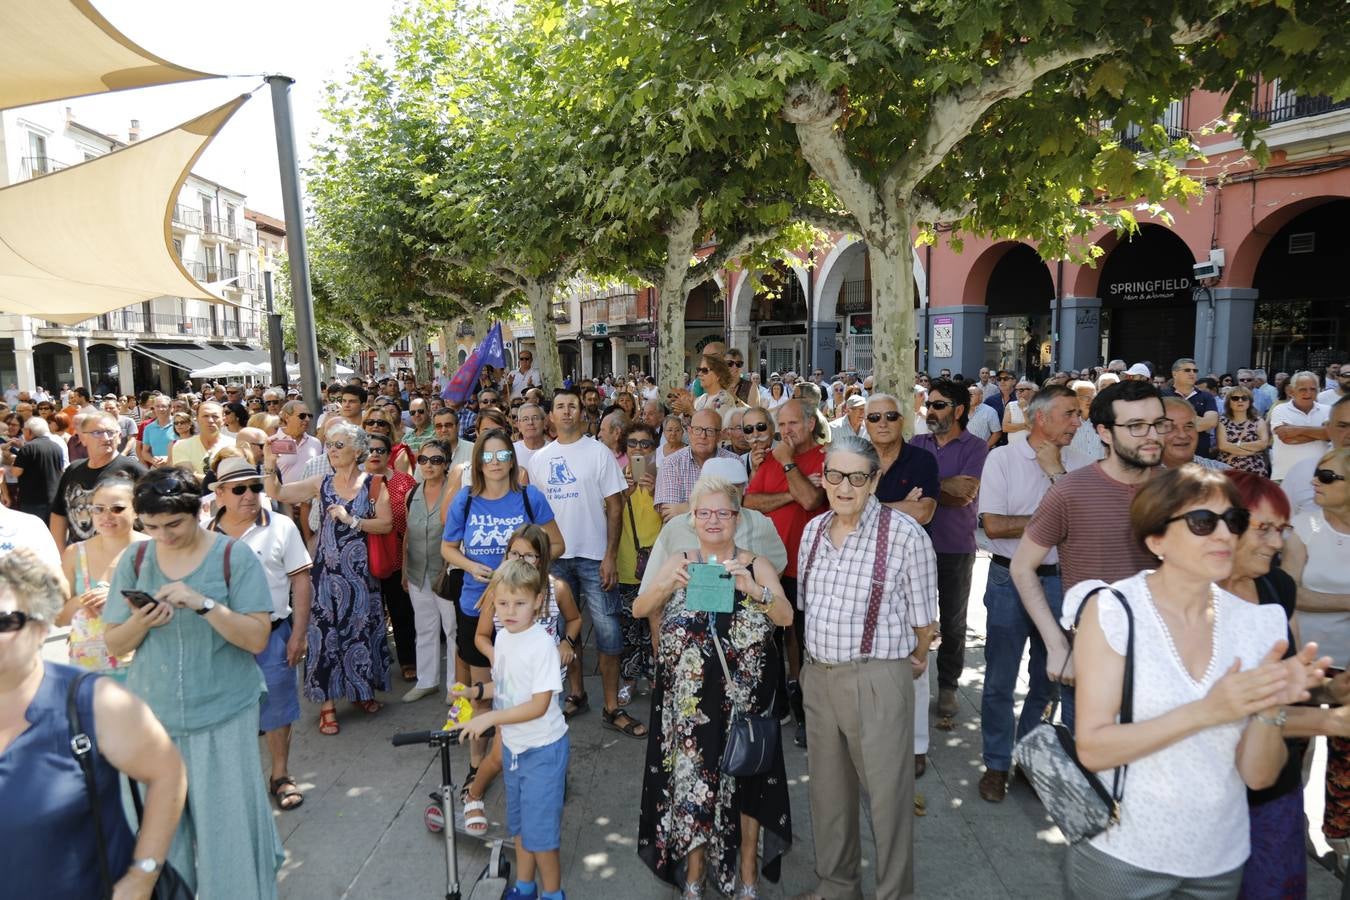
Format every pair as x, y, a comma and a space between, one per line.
411, 737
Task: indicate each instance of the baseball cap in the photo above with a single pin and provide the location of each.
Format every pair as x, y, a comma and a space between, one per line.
1139, 369
732, 470
855, 400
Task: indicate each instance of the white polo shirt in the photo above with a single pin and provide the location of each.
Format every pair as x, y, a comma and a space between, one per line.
1285, 455
1013, 483
277, 543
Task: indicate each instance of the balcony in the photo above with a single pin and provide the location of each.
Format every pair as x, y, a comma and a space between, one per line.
187, 219
37, 166
1173, 122
134, 322
1285, 106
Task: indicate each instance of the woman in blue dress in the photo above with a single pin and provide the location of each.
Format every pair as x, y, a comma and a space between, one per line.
348, 655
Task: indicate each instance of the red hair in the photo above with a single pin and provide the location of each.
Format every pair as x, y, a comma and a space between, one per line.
1255, 489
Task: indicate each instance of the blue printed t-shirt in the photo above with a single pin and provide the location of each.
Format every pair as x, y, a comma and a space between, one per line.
484, 535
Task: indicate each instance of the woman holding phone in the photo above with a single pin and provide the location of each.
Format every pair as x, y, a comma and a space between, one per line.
641, 527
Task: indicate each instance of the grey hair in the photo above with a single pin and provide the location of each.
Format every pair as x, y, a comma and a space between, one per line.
357, 438
1041, 400
37, 426
1106, 379
709, 485
851, 443
38, 589
1298, 376
1259, 373
1080, 384
876, 398
290, 406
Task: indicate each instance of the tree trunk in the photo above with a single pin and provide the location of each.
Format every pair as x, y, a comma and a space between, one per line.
672, 298
892, 265
421, 335
539, 294
382, 357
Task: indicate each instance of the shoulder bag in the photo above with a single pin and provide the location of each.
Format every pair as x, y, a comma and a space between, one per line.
1075, 797
382, 549
640, 553
752, 740
170, 885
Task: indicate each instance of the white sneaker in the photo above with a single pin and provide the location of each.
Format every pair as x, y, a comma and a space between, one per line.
418, 693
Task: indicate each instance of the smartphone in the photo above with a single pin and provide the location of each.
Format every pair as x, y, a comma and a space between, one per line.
284, 445
139, 599
639, 464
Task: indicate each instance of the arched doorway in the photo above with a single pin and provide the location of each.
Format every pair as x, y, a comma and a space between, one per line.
1017, 318
1148, 310
1303, 306
53, 366
778, 314
704, 321
104, 374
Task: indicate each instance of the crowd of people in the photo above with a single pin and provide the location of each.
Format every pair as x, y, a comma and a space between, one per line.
748, 553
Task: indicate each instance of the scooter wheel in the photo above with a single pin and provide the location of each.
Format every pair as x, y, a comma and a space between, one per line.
434, 819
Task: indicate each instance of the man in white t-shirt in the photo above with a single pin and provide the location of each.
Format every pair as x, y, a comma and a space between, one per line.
1299, 426
585, 487
18, 529
1339, 376
530, 421
525, 376
1298, 481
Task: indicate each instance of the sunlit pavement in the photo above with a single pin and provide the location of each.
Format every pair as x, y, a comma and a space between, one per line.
360, 832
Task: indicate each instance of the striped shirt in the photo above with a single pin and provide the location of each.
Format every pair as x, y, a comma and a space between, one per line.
1086, 514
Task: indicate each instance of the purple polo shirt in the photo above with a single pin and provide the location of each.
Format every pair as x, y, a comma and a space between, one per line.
953, 527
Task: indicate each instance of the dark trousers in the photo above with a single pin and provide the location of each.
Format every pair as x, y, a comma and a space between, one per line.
953, 571
399, 606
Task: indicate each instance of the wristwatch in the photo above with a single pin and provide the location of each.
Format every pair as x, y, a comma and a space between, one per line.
788, 467
149, 865
207, 605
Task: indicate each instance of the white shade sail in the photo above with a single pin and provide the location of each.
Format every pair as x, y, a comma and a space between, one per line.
97, 236
57, 49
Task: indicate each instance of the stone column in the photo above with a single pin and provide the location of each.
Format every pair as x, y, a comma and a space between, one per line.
618, 356
23, 357
1229, 346
823, 345
1080, 332
738, 338
126, 383
956, 340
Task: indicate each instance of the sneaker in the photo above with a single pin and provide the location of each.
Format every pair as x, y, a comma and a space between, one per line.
418, 693
515, 894
799, 737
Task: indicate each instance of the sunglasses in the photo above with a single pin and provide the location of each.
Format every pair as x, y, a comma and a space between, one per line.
240, 489
116, 509
641, 444
431, 460
857, 479
761, 427
703, 370
735, 363
940, 405
1202, 522
1327, 476
524, 358
889, 416
497, 456
336, 445
304, 415
14, 621
378, 451
375, 423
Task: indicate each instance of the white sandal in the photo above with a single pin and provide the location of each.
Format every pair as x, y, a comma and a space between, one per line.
475, 819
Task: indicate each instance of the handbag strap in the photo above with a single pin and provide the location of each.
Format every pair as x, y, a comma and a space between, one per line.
82, 747
632, 521
726, 672
1126, 715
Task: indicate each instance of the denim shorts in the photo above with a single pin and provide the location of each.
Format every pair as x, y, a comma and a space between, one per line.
583, 577
281, 704
535, 783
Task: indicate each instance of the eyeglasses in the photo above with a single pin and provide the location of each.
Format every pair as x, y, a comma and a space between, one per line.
431, 460
1139, 429
704, 431
1006, 378
502, 456
640, 444
761, 427
1192, 369
378, 451
721, 514
940, 405
891, 416
101, 433
336, 445
857, 479
1328, 476
14, 621
531, 558
703, 370
1202, 522
1266, 529
240, 489
116, 509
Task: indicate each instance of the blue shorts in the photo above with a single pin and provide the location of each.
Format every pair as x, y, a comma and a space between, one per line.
539, 778
583, 577
281, 704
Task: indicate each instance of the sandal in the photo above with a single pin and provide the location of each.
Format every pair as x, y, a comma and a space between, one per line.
468, 783
747, 891
692, 891
633, 728
409, 673
475, 819
371, 707
575, 705
328, 723
287, 795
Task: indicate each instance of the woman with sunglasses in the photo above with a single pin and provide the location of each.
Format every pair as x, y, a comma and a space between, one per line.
1315, 557
641, 527
396, 600
88, 566
46, 825
718, 388
1244, 437
195, 644
235, 419
478, 523
387, 420
184, 427
422, 568
1210, 680
348, 654
1014, 413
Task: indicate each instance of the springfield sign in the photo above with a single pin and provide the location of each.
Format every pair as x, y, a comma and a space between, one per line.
1178, 289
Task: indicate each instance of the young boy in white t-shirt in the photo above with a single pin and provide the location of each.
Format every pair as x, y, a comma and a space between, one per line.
535, 749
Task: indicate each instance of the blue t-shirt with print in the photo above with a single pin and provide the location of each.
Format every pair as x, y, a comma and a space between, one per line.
483, 528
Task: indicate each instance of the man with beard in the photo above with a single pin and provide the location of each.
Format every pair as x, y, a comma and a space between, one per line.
960, 457
1084, 512
71, 518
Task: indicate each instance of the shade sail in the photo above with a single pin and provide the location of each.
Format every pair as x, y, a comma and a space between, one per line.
57, 49
97, 236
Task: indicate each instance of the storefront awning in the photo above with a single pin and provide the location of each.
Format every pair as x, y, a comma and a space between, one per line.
181, 356
97, 236
57, 49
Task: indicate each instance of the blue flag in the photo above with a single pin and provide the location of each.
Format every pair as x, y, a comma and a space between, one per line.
488, 353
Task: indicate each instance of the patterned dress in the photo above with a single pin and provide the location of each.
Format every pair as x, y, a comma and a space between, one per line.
348, 654
1246, 430
687, 801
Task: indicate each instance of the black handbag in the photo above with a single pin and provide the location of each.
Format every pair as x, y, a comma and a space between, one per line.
170, 884
752, 740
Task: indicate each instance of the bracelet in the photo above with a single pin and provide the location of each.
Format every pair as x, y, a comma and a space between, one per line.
1277, 722
766, 597
479, 685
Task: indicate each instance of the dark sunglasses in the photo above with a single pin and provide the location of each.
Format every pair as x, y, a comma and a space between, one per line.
735, 363
304, 415
431, 460
940, 405
240, 489
375, 423
641, 443
525, 357
758, 426
1202, 522
378, 451
14, 621
703, 370
890, 416
1327, 476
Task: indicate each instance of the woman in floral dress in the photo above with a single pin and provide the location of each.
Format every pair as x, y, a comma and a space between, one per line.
694, 816
1243, 435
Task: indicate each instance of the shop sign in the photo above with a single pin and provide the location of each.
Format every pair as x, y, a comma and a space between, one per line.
860, 324
1175, 289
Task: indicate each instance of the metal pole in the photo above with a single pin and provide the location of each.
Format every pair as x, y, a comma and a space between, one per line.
274, 337
306, 345
82, 342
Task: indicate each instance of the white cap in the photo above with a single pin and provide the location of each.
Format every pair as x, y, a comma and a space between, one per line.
732, 470
1139, 369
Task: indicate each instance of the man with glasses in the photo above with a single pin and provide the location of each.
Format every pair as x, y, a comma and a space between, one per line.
295, 417
1299, 426
1339, 376
676, 477
197, 452
960, 457
530, 422
1298, 481
156, 434
423, 428
525, 375
446, 425
72, 519
126, 444
1184, 376
1003, 395
1081, 515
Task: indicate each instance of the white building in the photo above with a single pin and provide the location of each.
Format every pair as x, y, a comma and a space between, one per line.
147, 345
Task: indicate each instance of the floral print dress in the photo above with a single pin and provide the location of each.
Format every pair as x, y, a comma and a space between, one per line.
1247, 430
687, 801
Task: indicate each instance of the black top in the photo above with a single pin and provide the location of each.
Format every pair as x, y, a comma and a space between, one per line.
1278, 588
41, 461
915, 467
75, 494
